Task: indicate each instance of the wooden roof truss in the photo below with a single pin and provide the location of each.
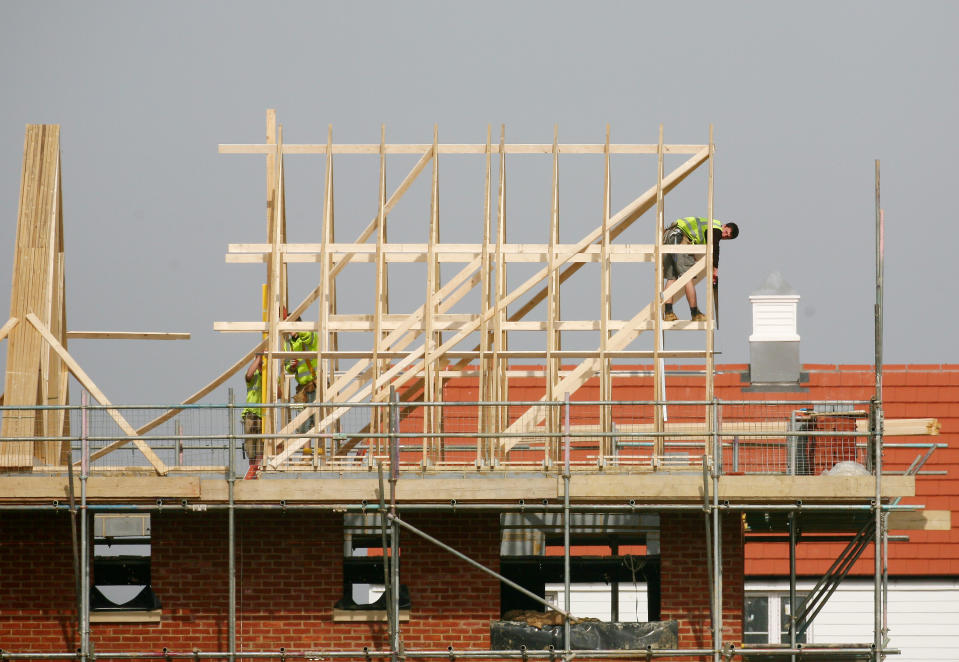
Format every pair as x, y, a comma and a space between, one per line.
414, 352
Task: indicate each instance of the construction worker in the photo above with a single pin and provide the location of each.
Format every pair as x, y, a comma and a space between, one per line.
252, 421
691, 230
303, 369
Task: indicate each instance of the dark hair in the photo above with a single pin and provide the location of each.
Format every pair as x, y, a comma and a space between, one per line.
734, 230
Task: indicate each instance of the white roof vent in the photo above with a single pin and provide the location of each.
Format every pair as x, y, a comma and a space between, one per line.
774, 311
774, 343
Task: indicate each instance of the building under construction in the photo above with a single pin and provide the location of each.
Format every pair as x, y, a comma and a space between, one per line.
459, 454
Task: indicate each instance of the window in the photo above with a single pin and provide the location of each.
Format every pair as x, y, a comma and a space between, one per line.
121, 588
363, 557
614, 564
767, 619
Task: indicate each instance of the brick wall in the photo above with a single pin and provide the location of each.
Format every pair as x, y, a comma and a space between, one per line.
289, 575
37, 599
685, 588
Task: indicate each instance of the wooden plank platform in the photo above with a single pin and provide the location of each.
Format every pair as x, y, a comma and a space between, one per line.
599, 488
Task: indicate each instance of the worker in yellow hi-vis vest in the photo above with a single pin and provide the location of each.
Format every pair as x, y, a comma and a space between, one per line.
252, 416
304, 370
692, 230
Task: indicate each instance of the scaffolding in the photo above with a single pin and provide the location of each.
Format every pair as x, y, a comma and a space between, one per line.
390, 511
390, 409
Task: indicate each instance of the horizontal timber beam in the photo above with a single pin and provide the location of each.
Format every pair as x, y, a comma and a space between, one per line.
127, 335
439, 324
447, 253
507, 354
516, 148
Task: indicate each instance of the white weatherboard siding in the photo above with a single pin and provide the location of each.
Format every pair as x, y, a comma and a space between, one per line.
923, 616
591, 600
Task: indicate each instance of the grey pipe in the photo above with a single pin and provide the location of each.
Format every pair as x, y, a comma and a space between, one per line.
231, 525
717, 538
822, 650
387, 559
182, 505
567, 604
877, 603
396, 644
709, 554
473, 563
84, 534
792, 582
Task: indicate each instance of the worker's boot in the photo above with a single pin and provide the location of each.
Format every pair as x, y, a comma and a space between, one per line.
696, 315
668, 314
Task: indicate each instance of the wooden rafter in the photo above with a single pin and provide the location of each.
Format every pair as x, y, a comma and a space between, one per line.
98, 395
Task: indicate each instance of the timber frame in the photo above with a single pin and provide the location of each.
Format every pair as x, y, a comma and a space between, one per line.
413, 353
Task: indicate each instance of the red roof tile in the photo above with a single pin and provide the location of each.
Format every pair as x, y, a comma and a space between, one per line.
911, 391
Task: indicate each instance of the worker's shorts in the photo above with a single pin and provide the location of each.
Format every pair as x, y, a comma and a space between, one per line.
676, 264
252, 448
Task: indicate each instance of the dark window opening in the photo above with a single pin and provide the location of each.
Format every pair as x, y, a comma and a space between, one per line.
614, 552
121, 563
363, 558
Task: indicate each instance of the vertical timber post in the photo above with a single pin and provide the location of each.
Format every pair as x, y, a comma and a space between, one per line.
659, 373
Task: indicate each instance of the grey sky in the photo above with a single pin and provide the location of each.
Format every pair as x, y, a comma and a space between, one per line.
803, 96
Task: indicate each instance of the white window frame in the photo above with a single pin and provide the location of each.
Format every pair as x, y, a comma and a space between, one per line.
775, 600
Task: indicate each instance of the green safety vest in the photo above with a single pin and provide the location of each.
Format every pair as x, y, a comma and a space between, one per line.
305, 369
254, 390
694, 228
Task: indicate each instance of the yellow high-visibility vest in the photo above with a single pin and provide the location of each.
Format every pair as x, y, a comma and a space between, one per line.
694, 227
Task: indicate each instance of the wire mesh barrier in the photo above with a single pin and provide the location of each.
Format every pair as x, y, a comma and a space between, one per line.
801, 438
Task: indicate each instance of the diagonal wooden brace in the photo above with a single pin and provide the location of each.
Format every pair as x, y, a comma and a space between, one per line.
98, 395
537, 413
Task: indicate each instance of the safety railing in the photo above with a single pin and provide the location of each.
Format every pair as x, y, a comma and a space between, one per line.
742, 437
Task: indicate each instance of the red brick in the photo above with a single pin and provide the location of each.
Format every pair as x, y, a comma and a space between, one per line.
289, 573
685, 596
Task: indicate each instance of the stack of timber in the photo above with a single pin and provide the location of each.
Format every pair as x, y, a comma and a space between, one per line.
35, 375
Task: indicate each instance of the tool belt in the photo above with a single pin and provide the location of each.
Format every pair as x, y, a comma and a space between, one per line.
675, 235
305, 392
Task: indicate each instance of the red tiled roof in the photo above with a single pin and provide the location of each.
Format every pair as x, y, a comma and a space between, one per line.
909, 391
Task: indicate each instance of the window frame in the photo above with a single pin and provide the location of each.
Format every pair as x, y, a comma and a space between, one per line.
777, 601
364, 532
98, 538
